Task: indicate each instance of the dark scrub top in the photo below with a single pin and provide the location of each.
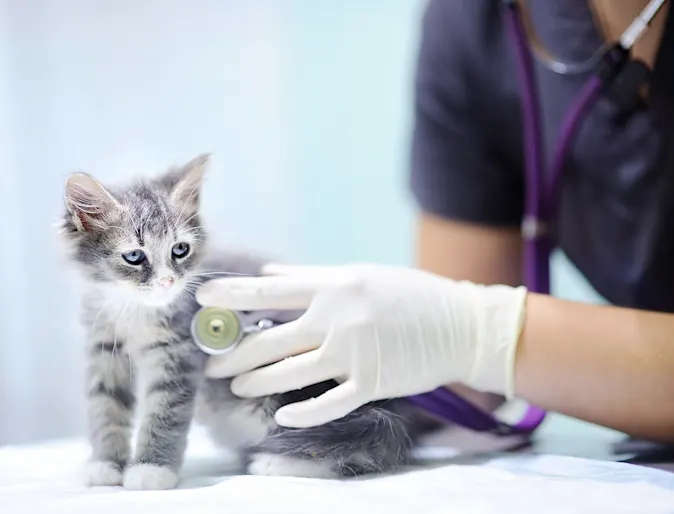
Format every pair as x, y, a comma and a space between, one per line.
616, 219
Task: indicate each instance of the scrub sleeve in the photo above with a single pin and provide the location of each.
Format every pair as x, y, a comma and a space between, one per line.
455, 171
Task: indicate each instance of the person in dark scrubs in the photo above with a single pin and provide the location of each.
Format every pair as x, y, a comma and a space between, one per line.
611, 365
616, 216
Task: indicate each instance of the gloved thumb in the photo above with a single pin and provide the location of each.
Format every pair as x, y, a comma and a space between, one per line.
331, 405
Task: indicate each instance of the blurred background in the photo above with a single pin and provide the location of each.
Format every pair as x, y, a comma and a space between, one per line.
305, 104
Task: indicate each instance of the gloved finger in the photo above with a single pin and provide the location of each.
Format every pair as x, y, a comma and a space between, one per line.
287, 375
331, 405
263, 348
257, 293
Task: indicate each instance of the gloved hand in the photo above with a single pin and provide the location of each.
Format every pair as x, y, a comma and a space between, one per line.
381, 331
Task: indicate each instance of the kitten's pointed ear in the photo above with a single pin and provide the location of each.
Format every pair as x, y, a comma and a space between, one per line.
89, 203
185, 183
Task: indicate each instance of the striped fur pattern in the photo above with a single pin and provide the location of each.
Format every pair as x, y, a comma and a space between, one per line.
142, 252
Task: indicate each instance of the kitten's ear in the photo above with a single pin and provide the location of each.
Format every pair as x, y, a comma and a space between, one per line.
185, 182
89, 203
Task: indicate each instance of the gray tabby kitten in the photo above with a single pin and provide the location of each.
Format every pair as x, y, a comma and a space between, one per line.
142, 252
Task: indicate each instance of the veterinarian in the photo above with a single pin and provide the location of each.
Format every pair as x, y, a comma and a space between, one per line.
392, 331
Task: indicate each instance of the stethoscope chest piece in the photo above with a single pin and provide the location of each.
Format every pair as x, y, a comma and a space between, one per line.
217, 331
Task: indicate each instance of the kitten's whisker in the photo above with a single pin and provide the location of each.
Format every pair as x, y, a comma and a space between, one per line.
227, 273
185, 222
185, 293
93, 324
196, 235
192, 229
114, 342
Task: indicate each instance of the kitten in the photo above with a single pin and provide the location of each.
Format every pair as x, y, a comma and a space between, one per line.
142, 252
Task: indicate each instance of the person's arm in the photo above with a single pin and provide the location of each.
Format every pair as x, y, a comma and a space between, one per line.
606, 365
468, 251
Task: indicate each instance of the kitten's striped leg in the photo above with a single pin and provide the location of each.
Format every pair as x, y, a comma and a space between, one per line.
173, 371
110, 403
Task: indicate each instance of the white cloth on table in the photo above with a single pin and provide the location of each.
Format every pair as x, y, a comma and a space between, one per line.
44, 479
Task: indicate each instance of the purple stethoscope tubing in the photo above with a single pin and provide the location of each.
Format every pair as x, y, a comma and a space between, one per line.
541, 201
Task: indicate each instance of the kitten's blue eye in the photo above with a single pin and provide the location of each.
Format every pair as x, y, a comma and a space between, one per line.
134, 257
180, 250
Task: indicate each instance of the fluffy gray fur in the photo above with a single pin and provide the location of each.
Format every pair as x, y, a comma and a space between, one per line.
137, 317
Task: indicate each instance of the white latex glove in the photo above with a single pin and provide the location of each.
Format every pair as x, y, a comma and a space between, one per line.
382, 331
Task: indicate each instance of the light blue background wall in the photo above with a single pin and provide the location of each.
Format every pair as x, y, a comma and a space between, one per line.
353, 90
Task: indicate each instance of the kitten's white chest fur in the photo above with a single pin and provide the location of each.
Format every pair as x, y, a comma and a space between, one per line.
142, 331
131, 325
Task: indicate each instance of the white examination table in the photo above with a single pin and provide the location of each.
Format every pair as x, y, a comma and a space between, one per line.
43, 479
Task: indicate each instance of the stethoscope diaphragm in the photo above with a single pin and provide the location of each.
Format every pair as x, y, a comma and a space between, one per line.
218, 331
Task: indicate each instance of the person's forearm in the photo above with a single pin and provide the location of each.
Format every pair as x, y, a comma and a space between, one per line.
466, 251
605, 365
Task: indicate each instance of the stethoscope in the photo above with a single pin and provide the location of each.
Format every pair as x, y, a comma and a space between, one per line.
217, 331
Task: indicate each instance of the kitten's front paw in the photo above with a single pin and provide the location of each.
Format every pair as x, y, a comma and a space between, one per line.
281, 466
98, 472
144, 477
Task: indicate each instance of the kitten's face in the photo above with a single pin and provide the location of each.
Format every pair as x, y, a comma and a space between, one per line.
140, 243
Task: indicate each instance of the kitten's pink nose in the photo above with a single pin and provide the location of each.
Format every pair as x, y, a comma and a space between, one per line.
166, 282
